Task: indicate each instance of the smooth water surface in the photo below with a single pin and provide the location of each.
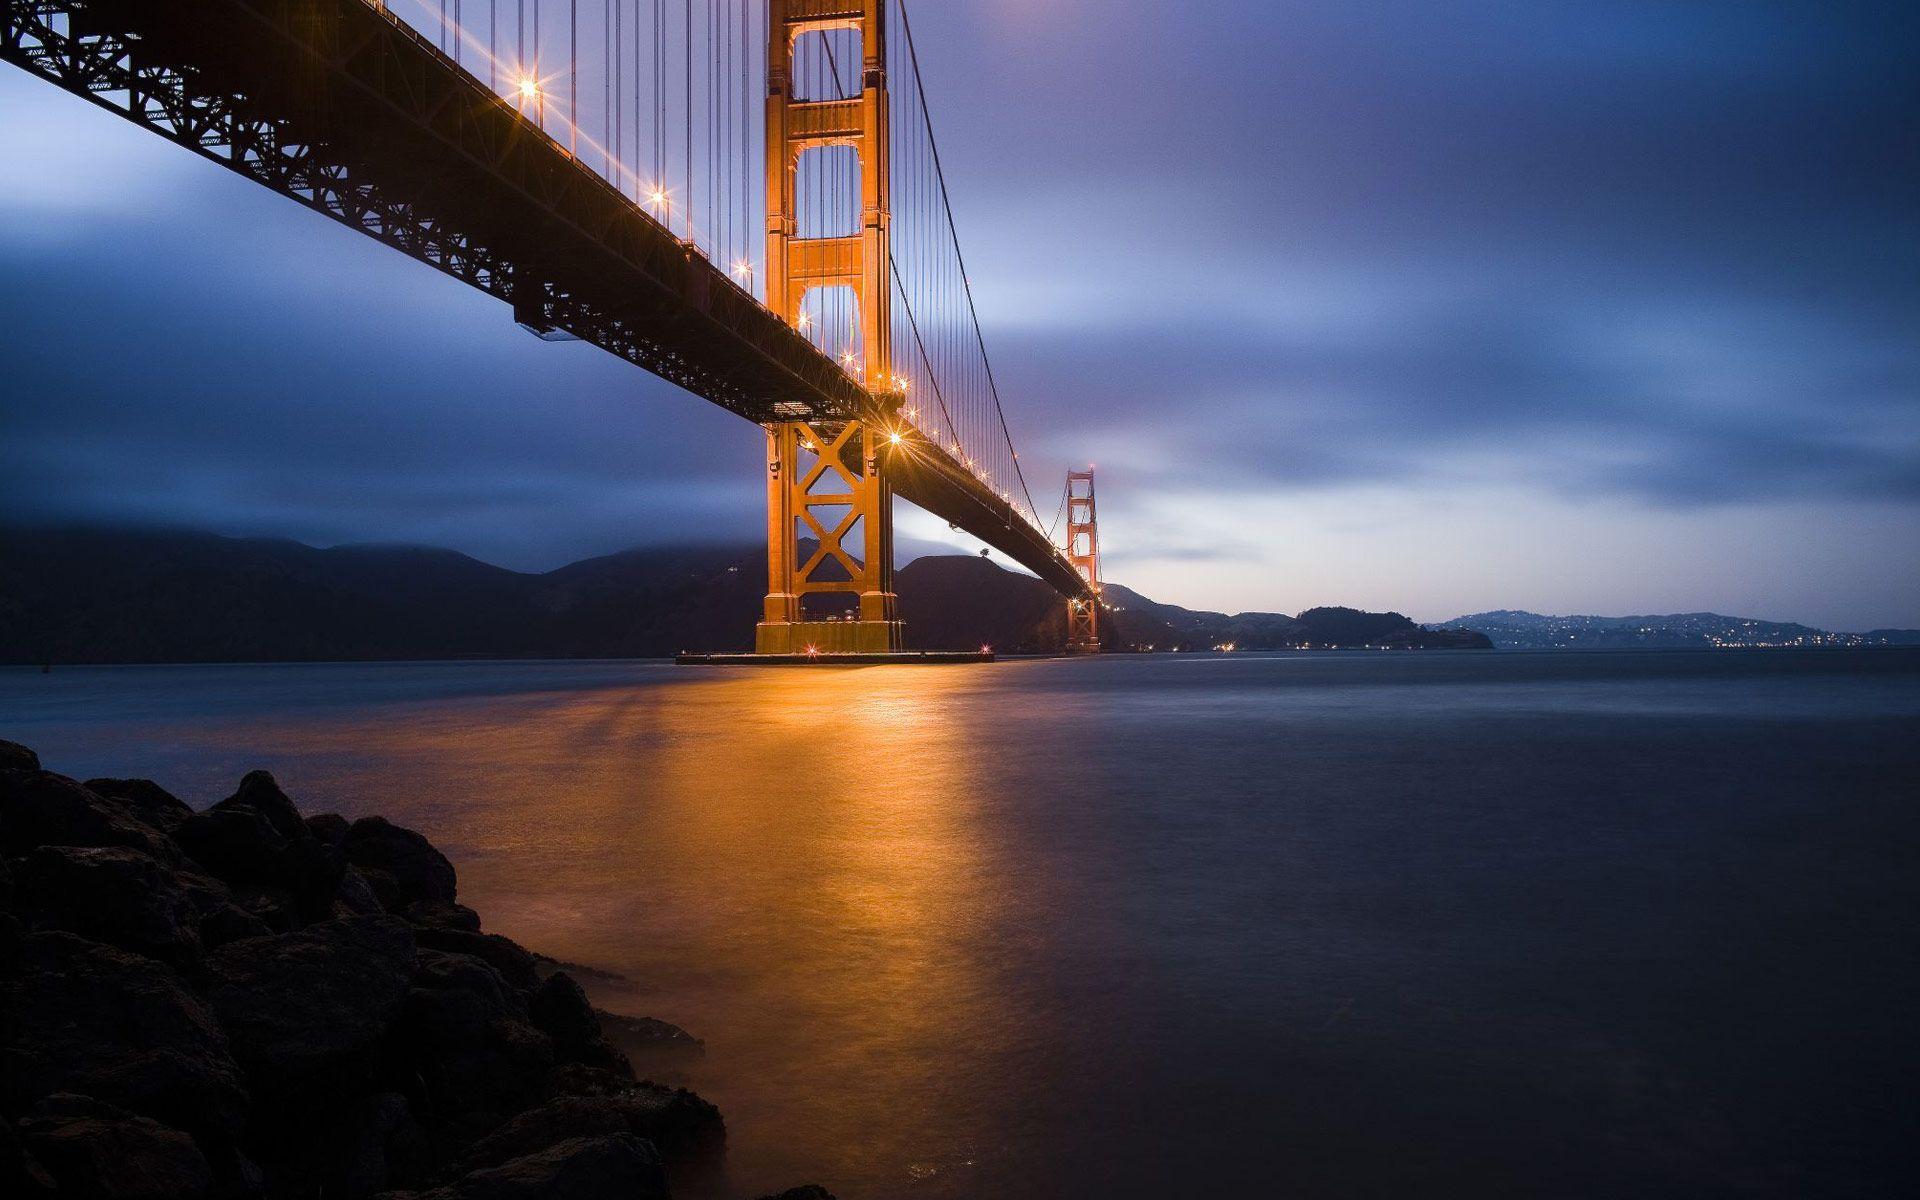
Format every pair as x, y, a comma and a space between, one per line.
1295, 926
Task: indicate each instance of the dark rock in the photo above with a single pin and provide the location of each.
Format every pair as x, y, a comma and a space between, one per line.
806, 1191
616, 1166
307, 1011
20, 1172
465, 1032
260, 793
440, 970
221, 919
149, 801
87, 1018
39, 808
678, 1123
419, 871
231, 923
236, 845
355, 895
374, 1145
330, 828
560, 1009
242, 841
649, 1035
503, 954
15, 757
97, 1150
110, 894
443, 914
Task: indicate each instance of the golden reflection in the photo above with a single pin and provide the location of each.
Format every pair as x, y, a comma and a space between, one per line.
791, 863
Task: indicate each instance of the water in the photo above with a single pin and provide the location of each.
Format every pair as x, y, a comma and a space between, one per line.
1303, 926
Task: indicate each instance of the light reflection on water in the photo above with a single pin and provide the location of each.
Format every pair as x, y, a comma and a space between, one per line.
1309, 925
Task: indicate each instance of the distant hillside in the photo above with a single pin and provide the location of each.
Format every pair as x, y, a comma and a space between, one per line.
1511, 629
75, 596
1168, 626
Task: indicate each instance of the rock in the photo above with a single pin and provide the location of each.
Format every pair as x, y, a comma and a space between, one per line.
20, 1172
678, 1123
649, 1035
236, 845
502, 954
258, 792
242, 841
442, 914
110, 894
149, 801
560, 1009
307, 1011
87, 1018
616, 1166
465, 1032
15, 757
97, 1150
355, 895
418, 871
374, 1145
330, 828
220, 919
806, 1191
39, 808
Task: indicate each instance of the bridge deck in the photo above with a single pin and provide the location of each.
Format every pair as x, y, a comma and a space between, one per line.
338, 106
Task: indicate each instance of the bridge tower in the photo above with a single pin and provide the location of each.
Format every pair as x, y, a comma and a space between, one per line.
1083, 550
826, 481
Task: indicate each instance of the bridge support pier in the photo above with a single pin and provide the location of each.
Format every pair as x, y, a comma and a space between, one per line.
1083, 550
829, 533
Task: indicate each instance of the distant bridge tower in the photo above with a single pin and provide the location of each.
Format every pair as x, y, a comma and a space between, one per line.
826, 481
1083, 549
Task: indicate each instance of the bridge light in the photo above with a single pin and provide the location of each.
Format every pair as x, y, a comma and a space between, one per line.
529, 87
894, 438
658, 198
743, 268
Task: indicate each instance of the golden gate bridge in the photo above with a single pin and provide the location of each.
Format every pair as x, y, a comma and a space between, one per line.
744, 197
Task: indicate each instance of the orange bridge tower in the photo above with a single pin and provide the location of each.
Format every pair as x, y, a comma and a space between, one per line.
826, 481
1083, 549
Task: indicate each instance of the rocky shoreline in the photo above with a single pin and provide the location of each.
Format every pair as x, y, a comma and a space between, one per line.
247, 1002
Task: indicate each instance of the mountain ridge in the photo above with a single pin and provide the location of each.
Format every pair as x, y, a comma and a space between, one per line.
132, 595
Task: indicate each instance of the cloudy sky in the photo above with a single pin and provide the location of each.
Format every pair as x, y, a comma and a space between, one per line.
1598, 306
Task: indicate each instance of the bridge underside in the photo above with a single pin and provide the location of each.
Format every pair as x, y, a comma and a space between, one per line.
337, 106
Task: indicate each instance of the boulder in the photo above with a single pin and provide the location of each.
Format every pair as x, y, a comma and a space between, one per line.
330, 828
39, 808
15, 757
806, 1191
418, 871
615, 1166
285, 880
560, 1009
259, 792
97, 1150
465, 1032
355, 895
647, 1035
678, 1123
20, 1172
307, 1011
148, 800
442, 914
502, 954
372, 1145
94, 1020
110, 894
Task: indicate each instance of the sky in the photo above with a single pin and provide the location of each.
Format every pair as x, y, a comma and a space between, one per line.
1599, 307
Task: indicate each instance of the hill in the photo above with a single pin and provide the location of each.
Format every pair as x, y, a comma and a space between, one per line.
1518, 630
131, 596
